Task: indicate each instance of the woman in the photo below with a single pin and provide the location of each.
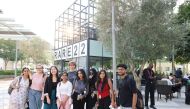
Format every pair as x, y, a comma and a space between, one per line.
36, 88
50, 89
104, 87
91, 97
80, 90
18, 97
64, 90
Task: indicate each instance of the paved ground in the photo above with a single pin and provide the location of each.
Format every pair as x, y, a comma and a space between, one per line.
175, 103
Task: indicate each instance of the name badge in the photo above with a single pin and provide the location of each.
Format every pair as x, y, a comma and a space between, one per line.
99, 97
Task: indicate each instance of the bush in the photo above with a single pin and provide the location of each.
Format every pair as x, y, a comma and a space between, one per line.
9, 72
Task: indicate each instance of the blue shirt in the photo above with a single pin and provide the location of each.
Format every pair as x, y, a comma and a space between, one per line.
72, 76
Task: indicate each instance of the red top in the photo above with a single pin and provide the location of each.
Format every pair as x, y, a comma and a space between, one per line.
105, 92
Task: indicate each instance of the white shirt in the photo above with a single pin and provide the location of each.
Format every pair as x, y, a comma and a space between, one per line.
168, 81
64, 89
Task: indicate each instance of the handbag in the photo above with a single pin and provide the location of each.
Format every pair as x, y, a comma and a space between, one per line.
10, 89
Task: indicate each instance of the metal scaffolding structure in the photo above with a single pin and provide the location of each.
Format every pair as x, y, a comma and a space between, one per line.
75, 24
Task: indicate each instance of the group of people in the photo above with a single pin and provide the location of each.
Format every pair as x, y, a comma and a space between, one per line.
175, 82
76, 88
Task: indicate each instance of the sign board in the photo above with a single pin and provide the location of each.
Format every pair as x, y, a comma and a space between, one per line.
75, 50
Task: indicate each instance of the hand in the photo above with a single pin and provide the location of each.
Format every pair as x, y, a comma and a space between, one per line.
97, 104
17, 87
48, 100
63, 102
81, 97
113, 104
90, 76
42, 97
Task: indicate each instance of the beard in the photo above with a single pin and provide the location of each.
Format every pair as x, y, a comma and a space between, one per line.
121, 74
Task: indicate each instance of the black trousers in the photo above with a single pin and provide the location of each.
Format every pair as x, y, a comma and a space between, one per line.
104, 103
90, 101
77, 104
149, 89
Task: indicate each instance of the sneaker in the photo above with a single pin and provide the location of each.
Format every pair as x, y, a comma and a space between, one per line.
153, 107
146, 107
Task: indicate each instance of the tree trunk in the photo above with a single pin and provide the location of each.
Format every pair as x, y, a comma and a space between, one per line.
137, 78
155, 66
6, 62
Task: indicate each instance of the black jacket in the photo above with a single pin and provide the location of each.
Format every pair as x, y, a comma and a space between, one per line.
49, 86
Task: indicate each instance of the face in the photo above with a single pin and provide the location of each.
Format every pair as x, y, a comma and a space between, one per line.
102, 75
26, 72
53, 71
80, 75
121, 71
39, 68
72, 66
64, 77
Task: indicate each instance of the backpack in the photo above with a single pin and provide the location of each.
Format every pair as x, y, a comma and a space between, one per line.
10, 89
140, 102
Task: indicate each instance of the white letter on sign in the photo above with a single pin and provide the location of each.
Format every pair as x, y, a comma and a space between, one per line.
83, 48
76, 50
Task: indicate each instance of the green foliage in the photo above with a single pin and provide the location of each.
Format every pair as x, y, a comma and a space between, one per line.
144, 30
8, 51
184, 13
9, 72
182, 49
36, 50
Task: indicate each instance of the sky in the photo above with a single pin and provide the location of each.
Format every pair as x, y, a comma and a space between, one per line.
37, 15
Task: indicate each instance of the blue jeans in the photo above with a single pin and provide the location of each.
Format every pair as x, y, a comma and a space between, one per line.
35, 99
52, 104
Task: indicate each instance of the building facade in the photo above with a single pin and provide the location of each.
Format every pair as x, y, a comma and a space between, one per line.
76, 39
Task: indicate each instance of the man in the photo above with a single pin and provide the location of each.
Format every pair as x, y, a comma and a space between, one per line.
176, 84
72, 71
150, 86
127, 95
178, 73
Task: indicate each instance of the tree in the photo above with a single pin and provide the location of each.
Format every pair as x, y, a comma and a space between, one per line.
7, 51
145, 30
36, 50
183, 18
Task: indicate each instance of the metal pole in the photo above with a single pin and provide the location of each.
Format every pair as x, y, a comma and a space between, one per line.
173, 50
16, 56
113, 45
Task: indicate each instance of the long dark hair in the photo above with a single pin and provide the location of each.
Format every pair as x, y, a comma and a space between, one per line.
83, 74
56, 73
94, 72
105, 80
23, 71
